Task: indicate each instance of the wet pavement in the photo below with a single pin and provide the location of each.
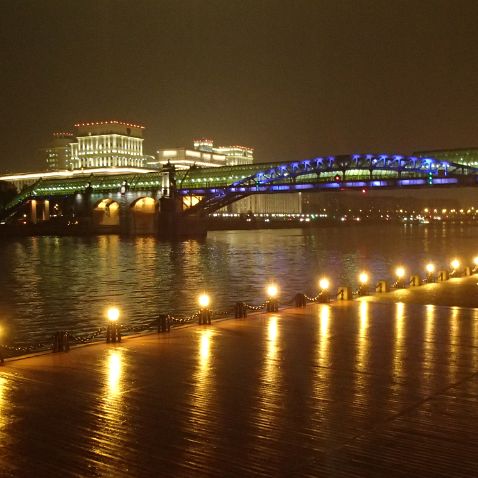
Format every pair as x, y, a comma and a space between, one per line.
360, 388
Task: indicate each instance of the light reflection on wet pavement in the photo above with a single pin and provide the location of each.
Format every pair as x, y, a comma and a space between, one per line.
353, 389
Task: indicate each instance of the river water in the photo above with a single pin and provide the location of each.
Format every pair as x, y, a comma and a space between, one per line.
51, 283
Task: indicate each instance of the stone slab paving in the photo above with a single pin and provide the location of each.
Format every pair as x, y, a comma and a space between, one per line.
360, 388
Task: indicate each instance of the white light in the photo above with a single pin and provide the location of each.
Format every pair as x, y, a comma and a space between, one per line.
455, 263
400, 272
475, 261
363, 277
430, 268
272, 290
324, 283
113, 314
203, 300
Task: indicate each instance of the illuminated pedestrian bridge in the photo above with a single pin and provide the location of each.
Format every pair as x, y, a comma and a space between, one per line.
147, 200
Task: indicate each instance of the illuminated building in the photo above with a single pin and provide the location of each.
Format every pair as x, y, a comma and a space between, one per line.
467, 156
106, 144
184, 158
58, 153
234, 154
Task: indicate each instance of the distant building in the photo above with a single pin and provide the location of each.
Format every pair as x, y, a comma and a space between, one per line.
203, 155
58, 153
184, 158
467, 156
234, 154
106, 144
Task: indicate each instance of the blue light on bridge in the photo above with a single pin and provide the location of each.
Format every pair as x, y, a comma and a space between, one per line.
355, 184
410, 182
445, 181
378, 184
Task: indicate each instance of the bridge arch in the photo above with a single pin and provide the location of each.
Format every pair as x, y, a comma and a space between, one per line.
106, 213
143, 214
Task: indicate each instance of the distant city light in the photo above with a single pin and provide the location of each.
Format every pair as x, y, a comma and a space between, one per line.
324, 283
430, 268
455, 264
363, 277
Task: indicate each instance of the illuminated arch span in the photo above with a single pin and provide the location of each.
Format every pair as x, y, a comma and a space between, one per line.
144, 204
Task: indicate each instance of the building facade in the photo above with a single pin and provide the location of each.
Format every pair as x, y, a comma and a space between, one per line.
58, 153
184, 158
108, 144
234, 154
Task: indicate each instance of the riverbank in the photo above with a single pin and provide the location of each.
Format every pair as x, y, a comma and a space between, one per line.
356, 388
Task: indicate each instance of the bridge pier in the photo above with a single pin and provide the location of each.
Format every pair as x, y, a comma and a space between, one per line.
174, 224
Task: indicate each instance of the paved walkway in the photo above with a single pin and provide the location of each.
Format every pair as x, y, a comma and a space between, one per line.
354, 389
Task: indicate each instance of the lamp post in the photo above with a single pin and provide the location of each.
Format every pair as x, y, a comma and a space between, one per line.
113, 329
324, 285
272, 303
400, 273
363, 284
204, 311
430, 268
455, 268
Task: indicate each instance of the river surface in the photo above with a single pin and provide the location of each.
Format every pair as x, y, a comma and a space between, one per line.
52, 283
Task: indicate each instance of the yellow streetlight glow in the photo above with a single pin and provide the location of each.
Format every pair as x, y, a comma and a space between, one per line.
455, 263
272, 290
324, 283
430, 268
475, 261
204, 300
113, 314
363, 277
400, 272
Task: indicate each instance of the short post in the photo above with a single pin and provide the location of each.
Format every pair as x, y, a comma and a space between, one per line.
164, 323
382, 286
468, 271
443, 276
204, 317
300, 300
344, 293
415, 281
272, 305
240, 310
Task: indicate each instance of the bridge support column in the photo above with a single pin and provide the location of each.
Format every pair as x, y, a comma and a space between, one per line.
33, 211
174, 224
46, 210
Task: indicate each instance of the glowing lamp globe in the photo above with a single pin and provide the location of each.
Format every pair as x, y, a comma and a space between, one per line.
475, 261
324, 283
272, 290
363, 277
430, 268
400, 272
204, 300
455, 263
113, 314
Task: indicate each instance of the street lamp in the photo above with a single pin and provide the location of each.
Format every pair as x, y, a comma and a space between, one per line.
113, 329
430, 268
272, 304
455, 265
324, 285
400, 273
363, 284
204, 312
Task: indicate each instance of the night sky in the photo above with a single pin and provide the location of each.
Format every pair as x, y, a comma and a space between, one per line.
293, 79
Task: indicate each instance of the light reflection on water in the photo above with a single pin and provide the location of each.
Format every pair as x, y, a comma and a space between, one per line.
51, 283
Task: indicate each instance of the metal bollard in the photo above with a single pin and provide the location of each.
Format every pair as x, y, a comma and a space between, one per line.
240, 310
415, 281
300, 300
344, 293
272, 305
382, 286
443, 276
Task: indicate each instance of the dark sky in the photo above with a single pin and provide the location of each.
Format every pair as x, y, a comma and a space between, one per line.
293, 79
